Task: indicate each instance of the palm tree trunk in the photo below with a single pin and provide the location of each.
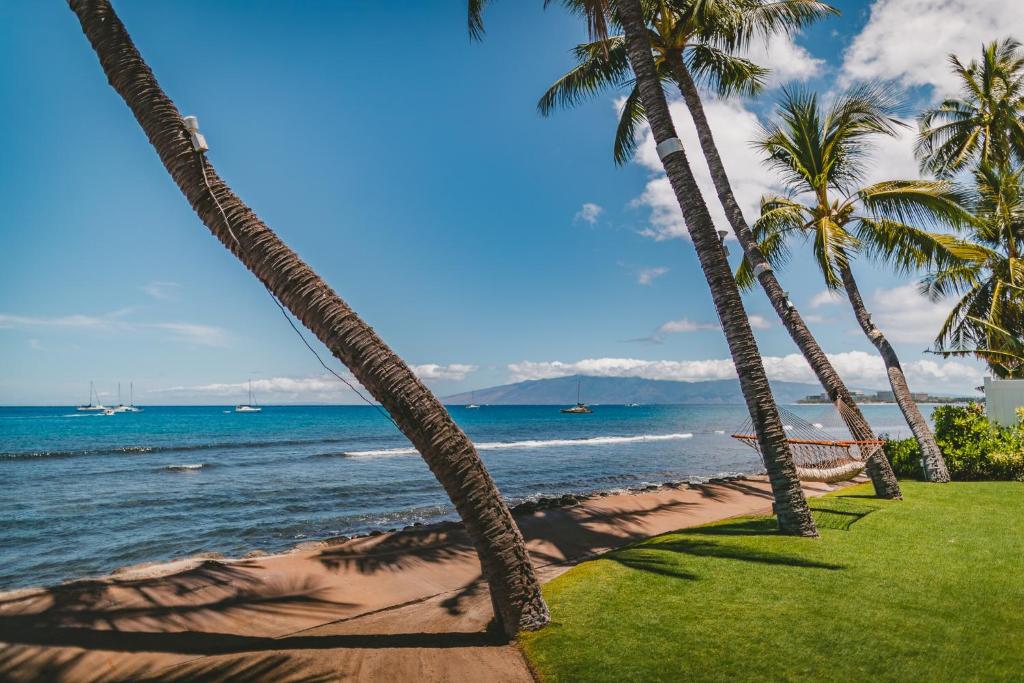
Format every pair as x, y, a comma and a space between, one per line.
794, 516
451, 456
932, 462
878, 467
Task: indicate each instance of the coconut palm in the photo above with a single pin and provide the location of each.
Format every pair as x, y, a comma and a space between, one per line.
1004, 350
515, 592
790, 505
985, 125
696, 40
991, 284
820, 152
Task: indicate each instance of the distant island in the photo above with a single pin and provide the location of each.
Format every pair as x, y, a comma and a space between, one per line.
623, 390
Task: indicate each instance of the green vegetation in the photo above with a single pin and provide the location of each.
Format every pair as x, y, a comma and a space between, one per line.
974, 447
925, 589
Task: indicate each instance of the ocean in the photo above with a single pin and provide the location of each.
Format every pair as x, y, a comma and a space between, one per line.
84, 494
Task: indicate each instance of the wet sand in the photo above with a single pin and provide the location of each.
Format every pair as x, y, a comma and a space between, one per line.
408, 605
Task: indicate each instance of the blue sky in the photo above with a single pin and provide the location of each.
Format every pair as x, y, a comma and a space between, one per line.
409, 167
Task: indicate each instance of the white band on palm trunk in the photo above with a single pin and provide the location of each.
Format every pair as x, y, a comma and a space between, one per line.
670, 146
762, 267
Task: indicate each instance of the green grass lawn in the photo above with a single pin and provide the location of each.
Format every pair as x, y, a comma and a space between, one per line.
930, 588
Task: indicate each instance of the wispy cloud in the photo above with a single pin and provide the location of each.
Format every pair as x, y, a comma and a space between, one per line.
679, 326
589, 213
165, 291
119, 322
759, 322
826, 297
646, 276
455, 371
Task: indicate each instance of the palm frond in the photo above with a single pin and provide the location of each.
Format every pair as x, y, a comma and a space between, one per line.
600, 65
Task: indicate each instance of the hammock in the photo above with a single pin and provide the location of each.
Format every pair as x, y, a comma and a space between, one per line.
817, 453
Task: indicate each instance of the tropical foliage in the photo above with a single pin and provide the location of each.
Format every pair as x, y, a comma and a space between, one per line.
981, 136
974, 447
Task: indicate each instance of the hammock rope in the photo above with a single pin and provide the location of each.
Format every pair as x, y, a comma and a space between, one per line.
820, 454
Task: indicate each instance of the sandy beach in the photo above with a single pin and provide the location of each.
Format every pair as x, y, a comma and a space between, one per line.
408, 605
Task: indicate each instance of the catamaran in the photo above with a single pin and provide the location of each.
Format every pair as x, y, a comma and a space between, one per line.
580, 408
130, 408
94, 405
249, 407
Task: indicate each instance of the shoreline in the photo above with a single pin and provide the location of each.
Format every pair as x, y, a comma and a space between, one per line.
523, 508
409, 604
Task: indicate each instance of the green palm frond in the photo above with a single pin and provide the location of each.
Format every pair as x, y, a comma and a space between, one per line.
630, 119
724, 73
600, 65
917, 201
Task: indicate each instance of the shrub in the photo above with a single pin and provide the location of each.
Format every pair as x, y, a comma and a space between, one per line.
974, 447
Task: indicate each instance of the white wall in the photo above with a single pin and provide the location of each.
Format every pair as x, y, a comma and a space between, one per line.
1002, 398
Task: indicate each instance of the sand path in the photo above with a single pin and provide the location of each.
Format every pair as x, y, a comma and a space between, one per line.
397, 607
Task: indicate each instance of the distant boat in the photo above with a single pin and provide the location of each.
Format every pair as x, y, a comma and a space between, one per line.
94, 405
130, 408
472, 401
632, 405
580, 408
249, 407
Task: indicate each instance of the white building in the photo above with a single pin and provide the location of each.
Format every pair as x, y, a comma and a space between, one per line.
1002, 399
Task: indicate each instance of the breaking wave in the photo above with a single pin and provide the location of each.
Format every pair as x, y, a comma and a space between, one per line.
532, 443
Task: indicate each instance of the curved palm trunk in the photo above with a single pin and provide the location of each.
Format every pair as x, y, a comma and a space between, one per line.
794, 517
932, 462
451, 456
878, 467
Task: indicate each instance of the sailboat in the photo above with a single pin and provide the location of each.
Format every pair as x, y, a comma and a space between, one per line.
472, 401
580, 407
130, 408
94, 406
249, 407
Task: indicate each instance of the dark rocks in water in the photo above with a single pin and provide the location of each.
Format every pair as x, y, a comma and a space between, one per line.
525, 508
568, 500
417, 523
254, 554
376, 532
336, 540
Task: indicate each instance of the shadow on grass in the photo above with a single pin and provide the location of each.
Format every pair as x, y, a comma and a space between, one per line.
660, 555
841, 513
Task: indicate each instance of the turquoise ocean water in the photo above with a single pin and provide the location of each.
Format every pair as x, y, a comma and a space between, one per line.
84, 494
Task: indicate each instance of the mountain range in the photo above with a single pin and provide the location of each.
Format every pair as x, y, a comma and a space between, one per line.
596, 390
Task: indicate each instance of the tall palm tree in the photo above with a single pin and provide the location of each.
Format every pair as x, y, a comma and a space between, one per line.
985, 125
820, 153
790, 505
697, 40
990, 284
515, 591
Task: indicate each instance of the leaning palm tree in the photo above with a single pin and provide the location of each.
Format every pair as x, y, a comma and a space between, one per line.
790, 505
515, 591
820, 153
985, 125
697, 40
990, 284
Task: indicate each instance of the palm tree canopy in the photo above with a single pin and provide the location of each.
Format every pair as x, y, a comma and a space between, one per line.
706, 34
991, 282
985, 124
820, 152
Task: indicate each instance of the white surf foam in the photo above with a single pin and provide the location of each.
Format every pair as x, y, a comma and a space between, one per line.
534, 443
184, 468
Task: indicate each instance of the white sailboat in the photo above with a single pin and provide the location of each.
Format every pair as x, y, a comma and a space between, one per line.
94, 405
472, 401
249, 407
580, 408
130, 408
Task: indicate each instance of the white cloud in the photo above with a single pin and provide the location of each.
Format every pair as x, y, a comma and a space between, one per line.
647, 276
904, 315
76, 320
759, 322
165, 291
455, 371
858, 369
324, 388
685, 325
787, 60
908, 40
827, 297
589, 212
